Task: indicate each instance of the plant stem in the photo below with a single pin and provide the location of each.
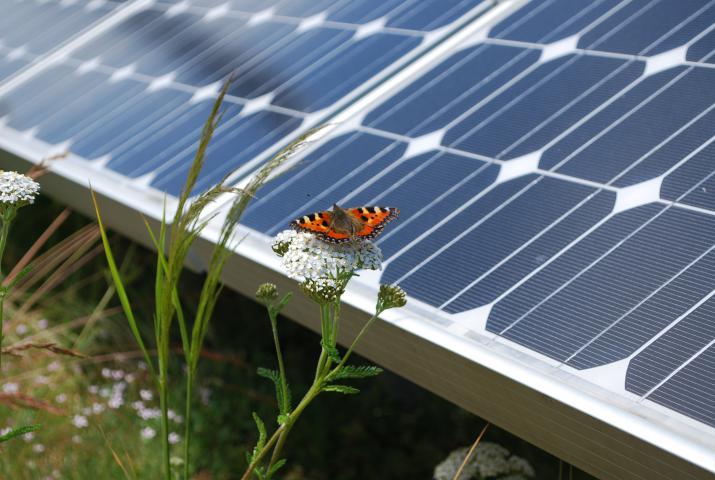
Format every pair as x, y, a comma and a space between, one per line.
355, 341
187, 420
163, 403
281, 368
3, 242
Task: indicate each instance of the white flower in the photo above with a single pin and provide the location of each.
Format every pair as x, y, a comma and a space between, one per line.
138, 405
10, 387
115, 402
129, 378
28, 437
174, 438
117, 374
38, 448
17, 189
97, 408
42, 380
93, 389
106, 373
5, 431
53, 366
61, 398
146, 395
80, 421
148, 433
305, 257
21, 329
42, 323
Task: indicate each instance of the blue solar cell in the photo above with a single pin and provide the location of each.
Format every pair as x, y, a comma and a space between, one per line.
115, 36
234, 54
690, 182
479, 209
562, 323
248, 5
414, 183
472, 178
631, 331
152, 35
685, 144
167, 140
646, 27
548, 21
363, 12
330, 172
235, 145
672, 349
300, 53
431, 14
450, 89
534, 110
547, 280
87, 108
544, 246
51, 24
9, 66
137, 120
691, 391
304, 8
703, 49
477, 250
608, 150
47, 93
329, 80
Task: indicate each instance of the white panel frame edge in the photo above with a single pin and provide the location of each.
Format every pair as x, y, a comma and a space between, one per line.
590, 429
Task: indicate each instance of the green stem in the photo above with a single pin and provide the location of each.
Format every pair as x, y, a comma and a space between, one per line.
281, 368
163, 403
187, 420
355, 341
307, 399
3, 242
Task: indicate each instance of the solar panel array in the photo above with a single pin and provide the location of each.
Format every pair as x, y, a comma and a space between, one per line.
555, 175
134, 97
559, 174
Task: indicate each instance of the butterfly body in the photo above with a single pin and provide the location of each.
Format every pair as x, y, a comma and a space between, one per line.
341, 225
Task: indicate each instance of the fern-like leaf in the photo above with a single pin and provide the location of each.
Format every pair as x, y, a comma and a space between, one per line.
261, 436
332, 352
344, 389
354, 371
283, 397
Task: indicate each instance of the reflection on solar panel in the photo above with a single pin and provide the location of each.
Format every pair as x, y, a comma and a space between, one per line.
134, 96
555, 171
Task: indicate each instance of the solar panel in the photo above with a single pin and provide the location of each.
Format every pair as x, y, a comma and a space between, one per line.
552, 161
555, 177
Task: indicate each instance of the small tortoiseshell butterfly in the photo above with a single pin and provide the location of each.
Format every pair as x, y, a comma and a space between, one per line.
341, 225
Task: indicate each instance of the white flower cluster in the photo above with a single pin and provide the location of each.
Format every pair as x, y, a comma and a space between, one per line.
490, 460
17, 189
305, 257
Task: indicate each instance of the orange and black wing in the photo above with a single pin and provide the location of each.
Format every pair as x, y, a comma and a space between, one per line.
319, 224
373, 219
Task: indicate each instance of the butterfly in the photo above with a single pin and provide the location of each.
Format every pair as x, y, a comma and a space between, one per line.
341, 225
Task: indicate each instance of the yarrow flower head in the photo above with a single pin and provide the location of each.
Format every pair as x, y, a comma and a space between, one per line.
323, 268
16, 190
490, 460
267, 293
391, 296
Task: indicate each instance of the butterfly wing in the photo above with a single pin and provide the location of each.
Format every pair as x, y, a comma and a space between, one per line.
318, 223
373, 219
